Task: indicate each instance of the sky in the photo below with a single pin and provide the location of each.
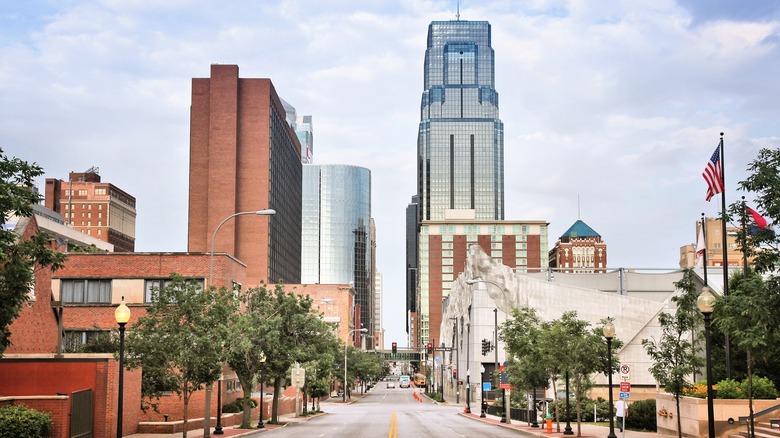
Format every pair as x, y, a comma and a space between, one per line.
611, 108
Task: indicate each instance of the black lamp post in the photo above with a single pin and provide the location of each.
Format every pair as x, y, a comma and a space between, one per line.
262, 391
567, 430
218, 428
609, 333
706, 304
482, 402
122, 316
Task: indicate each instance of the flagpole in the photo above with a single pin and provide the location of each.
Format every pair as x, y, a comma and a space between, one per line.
744, 241
723, 219
725, 247
704, 256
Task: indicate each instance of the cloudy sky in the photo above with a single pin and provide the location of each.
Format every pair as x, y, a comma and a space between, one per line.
611, 108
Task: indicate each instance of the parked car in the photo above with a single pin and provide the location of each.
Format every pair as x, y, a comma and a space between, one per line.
390, 384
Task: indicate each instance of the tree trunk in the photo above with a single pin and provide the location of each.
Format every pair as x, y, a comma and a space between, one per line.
557, 415
679, 420
275, 402
186, 396
750, 394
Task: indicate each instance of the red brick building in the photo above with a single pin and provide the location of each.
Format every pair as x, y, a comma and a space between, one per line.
244, 156
579, 249
95, 208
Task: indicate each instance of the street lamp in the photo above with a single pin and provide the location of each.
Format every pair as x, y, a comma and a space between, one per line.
504, 417
483, 404
362, 330
122, 316
567, 430
218, 428
706, 304
456, 348
609, 333
262, 390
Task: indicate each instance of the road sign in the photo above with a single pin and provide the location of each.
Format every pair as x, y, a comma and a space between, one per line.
624, 369
487, 386
625, 395
625, 387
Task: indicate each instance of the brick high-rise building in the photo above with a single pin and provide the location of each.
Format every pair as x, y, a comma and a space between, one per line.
244, 156
95, 208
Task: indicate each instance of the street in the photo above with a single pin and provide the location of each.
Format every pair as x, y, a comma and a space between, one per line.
390, 413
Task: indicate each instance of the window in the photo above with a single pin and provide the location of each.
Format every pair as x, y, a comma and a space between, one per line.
153, 287
100, 191
86, 341
85, 291
82, 192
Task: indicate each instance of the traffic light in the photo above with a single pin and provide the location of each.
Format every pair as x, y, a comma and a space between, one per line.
485, 346
430, 348
455, 374
395, 348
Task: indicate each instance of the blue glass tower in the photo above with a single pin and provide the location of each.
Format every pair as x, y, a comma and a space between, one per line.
460, 143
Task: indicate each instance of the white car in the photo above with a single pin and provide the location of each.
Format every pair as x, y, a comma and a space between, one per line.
390, 384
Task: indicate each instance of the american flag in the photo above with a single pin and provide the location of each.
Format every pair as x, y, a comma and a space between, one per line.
713, 174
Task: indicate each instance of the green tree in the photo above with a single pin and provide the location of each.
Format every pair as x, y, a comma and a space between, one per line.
296, 334
180, 342
19, 258
675, 355
748, 314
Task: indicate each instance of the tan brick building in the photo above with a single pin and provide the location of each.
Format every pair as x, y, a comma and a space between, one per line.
579, 250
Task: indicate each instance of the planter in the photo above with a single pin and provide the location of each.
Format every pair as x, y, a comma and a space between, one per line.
693, 414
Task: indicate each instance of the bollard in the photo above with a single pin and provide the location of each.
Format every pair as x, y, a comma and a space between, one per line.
548, 419
166, 417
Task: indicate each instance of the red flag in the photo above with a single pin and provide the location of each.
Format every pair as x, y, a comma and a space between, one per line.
760, 221
713, 174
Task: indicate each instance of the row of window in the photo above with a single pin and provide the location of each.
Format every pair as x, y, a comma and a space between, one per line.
92, 291
89, 206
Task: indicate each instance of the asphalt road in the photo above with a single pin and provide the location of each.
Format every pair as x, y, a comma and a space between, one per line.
389, 413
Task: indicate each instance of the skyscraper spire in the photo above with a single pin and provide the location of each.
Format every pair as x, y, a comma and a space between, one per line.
457, 14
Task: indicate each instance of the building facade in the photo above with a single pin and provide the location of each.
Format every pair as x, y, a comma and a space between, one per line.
336, 231
244, 156
713, 229
580, 249
444, 249
460, 143
97, 209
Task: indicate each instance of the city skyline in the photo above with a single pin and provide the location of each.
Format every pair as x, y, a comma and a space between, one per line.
611, 109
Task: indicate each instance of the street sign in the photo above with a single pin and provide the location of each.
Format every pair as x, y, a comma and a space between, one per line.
487, 386
625, 369
625, 387
625, 395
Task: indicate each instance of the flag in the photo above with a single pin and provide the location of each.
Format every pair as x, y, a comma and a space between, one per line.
700, 248
713, 174
760, 221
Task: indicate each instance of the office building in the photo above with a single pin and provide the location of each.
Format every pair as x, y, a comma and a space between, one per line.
460, 143
95, 208
336, 235
244, 156
444, 249
713, 230
580, 249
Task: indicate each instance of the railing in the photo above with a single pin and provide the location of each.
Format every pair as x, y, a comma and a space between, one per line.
514, 413
744, 420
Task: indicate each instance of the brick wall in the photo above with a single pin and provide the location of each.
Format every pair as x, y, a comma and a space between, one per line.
55, 406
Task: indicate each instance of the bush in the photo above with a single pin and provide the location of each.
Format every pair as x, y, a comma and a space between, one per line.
237, 406
21, 422
641, 415
763, 388
434, 396
730, 388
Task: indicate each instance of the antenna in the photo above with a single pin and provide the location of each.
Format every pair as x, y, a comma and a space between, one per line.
578, 206
457, 14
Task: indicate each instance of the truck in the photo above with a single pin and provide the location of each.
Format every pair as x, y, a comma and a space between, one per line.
404, 381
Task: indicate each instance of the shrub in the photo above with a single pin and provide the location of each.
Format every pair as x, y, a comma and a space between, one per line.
730, 388
698, 390
237, 406
21, 422
763, 388
641, 415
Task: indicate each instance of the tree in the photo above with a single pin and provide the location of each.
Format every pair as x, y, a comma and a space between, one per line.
745, 314
675, 355
295, 334
180, 342
19, 257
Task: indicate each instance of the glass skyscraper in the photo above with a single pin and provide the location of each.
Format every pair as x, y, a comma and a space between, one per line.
336, 247
461, 139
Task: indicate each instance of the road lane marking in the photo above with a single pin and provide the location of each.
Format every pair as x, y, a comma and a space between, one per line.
393, 432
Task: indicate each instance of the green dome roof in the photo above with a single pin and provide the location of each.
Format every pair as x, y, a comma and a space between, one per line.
580, 229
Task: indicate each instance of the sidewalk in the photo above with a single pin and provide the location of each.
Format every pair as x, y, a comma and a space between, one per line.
587, 429
235, 432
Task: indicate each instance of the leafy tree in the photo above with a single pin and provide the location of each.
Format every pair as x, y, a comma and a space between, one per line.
180, 342
19, 258
675, 354
296, 334
748, 313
